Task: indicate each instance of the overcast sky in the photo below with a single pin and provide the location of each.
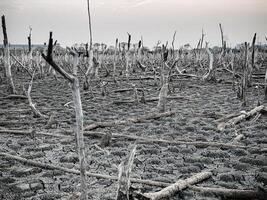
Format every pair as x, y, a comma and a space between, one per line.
153, 19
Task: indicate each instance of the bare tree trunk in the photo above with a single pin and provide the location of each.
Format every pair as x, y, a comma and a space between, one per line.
7, 57
78, 109
173, 40
245, 77
251, 65
91, 53
115, 57
222, 38
211, 73
265, 89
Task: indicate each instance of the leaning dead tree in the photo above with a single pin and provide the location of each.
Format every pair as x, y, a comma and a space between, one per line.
7, 64
74, 82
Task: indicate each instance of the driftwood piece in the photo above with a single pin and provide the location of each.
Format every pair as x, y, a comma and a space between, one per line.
178, 186
128, 120
241, 117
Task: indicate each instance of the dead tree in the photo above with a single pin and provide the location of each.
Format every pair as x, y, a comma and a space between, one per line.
265, 89
223, 42
36, 112
244, 83
210, 75
252, 64
124, 181
91, 53
7, 57
30, 42
173, 40
127, 57
74, 82
115, 57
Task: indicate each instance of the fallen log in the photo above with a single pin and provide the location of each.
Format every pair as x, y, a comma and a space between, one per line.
14, 96
152, 99
128, 120
217, 191
228, 193
178, 186
197, 144
73, 171
238, 119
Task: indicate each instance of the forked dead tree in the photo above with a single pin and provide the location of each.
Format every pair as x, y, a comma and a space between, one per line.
7, 57
74, 82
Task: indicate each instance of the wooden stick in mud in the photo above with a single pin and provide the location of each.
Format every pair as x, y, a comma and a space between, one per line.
74, 82
240, 118
178, 186
124, 181
128, 120
36, 112
7, 57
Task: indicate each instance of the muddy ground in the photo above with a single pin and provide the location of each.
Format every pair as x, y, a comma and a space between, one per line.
202, 104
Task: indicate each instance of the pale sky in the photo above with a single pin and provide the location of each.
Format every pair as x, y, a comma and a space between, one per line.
153, 19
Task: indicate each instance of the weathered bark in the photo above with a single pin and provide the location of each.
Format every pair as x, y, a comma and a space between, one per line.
7, 57
73, 80
178, 186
